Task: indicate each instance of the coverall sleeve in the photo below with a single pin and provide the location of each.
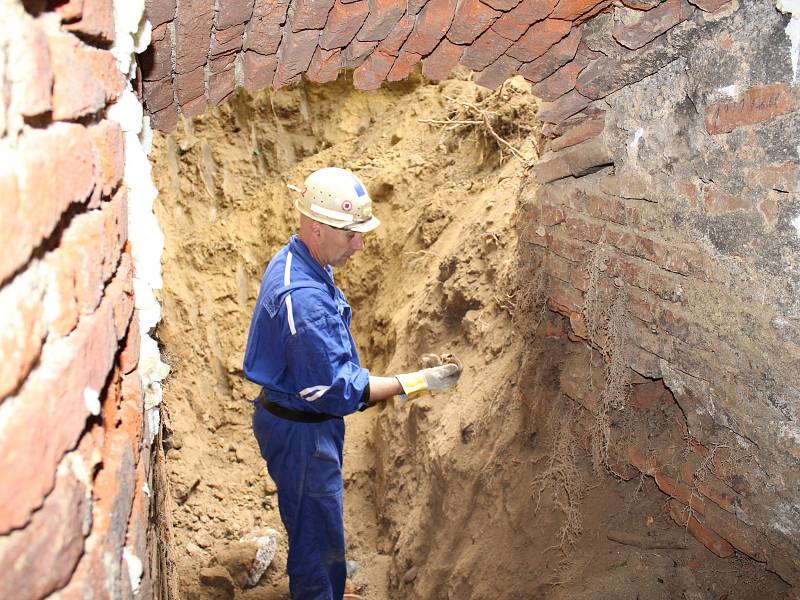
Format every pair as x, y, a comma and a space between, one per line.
320, 357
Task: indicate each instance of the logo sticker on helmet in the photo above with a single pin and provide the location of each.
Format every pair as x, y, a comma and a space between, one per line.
347, 206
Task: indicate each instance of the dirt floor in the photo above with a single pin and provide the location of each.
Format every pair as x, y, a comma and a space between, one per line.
485, 491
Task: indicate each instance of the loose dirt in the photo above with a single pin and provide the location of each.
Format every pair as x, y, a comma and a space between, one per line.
485, 491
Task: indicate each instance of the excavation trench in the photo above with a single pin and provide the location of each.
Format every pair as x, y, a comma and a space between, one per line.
486, 491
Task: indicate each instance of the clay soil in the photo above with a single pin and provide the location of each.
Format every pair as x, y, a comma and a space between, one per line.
485, 491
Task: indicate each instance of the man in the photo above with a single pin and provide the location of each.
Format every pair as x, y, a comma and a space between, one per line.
300, 350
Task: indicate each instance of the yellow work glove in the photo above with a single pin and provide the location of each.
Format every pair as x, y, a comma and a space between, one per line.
434, 378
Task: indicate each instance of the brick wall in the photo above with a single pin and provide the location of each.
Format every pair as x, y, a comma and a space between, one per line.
668, 185
674, 191
74, 498
667, 199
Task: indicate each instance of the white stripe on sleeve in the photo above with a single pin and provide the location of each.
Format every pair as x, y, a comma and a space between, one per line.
314, 393
286, 281
290, 314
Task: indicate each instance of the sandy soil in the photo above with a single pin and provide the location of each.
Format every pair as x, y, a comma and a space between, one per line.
441, 492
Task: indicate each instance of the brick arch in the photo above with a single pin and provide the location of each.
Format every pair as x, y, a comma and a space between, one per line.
198, 55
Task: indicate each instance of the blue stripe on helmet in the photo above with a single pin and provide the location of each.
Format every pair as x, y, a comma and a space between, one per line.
360, 191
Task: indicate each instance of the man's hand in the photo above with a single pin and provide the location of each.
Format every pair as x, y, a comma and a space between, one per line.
441, 377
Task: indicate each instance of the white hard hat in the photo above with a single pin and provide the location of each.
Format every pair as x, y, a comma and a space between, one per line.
337, 198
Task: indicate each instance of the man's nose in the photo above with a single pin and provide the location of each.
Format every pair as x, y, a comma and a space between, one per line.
358, 242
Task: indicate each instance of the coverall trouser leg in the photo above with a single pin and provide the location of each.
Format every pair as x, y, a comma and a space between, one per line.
305, 461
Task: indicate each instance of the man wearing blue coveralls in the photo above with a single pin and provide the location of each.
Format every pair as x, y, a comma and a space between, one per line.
300, 350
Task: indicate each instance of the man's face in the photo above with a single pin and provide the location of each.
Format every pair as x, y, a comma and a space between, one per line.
338, 245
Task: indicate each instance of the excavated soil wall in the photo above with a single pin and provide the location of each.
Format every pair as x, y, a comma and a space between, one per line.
485, 491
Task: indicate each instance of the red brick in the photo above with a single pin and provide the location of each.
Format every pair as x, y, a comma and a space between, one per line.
583, 131
310, 14
640, 306
395, 40
720, 203
23, 329
438, 64
583, 383
498, 72
65, 152
264, 30
503, 5
652, 23
558, 83
232, 12
403, 65
711, 5
96, 22
70, 10
743, 537
156, 61
158, 94
708, 485
85, 78
294, 56
356, 53
755, 105
774, 176
38, 560
700, 532
485, 50
129, 355
192, 34
219, 64
414, 6
563, 297
559, 54
370, 74
648, 395
195, 107
121, 289
472, 17
166, 119
221, 85
572, 9
343, 23
56, 394
159, 11
100, 573
29, 72
674, 489
136, 536
383, 17
538, 39
769, 211
258, 70
109, 146
325, 65
226, 41
431, 25
191, 85
516, 22
553, 326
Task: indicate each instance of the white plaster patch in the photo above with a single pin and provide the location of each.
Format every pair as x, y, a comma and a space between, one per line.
144, 234
731, 91
633, 144
637, 135
91, 398
131, 30
135, 569
796, 224
792, 29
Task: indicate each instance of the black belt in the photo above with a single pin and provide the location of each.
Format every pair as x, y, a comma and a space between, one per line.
300, 416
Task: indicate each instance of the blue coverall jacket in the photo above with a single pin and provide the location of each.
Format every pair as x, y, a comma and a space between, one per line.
301, 351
